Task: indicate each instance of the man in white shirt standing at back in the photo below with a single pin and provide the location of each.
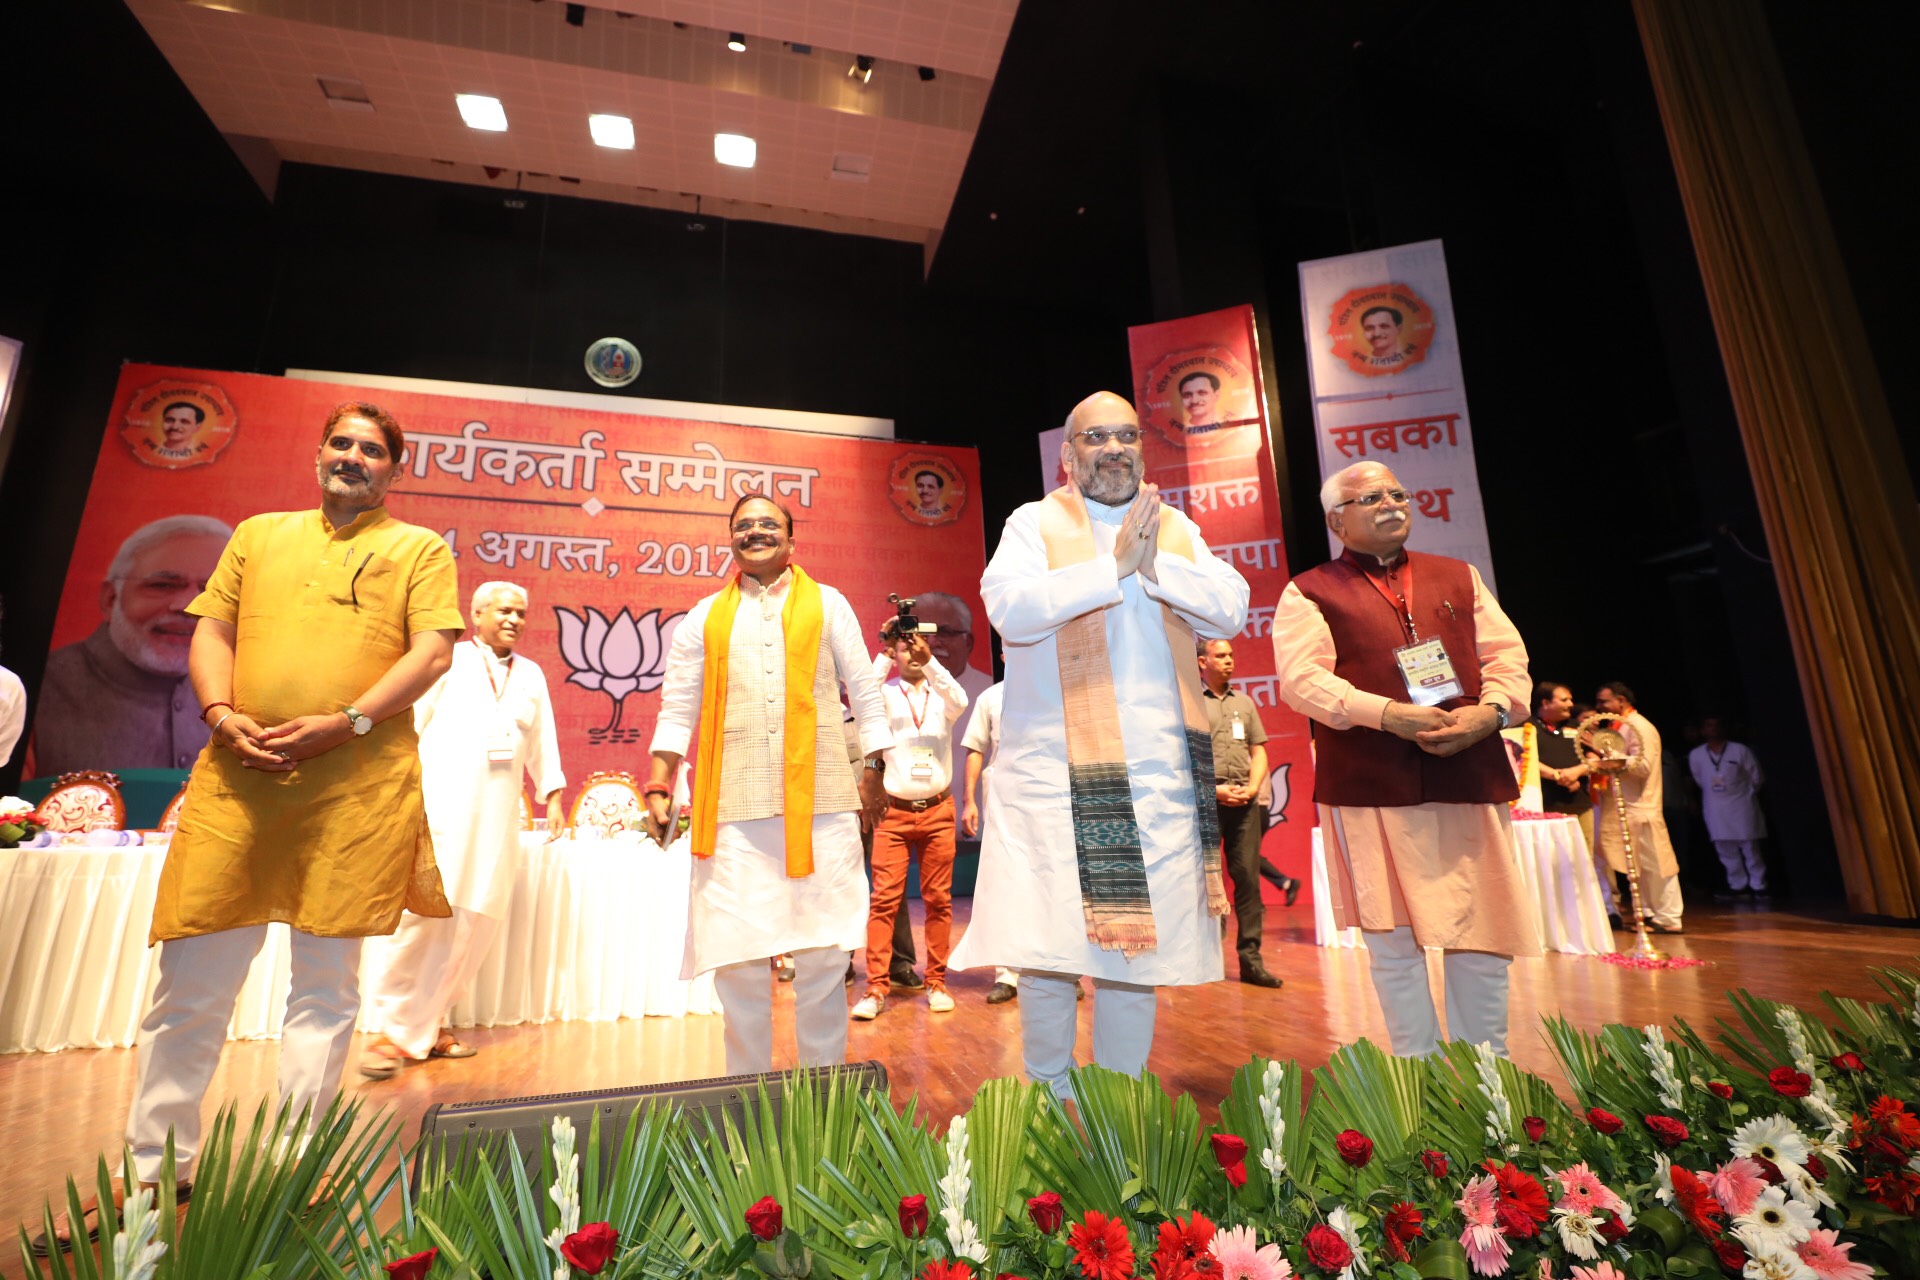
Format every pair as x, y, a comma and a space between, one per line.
485, 728
1729, 779
981, 742
924, 702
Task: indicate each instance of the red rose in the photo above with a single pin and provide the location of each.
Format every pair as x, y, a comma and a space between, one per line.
1769, 1170
1789, 1083
1848, 1061
1604, 1121
1667, 1131
913, 1216
1720, 1089
1046, 1212
1612, 1228
1817, 1167
414, 1268
1535, 1127
1355, 1147
591, 1247
1731, 1255
1435, 1162
1231, 1152
1327, 1249
763, 1217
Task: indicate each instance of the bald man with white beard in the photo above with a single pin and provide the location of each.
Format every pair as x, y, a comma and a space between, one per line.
1408, 668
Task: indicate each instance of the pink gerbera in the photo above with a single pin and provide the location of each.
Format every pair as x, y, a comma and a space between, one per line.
1242, 1257
1487, 1248
1581, 1190
1599, 1271
1736, 1185
1826, 1257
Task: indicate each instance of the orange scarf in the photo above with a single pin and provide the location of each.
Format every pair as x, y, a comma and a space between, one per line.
802, 619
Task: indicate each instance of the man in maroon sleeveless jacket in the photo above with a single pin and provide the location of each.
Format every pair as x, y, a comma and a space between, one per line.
1408, 667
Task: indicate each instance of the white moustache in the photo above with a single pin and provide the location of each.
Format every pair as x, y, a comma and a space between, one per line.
1389, 517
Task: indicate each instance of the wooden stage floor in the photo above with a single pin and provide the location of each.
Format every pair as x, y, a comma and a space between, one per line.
57, 1111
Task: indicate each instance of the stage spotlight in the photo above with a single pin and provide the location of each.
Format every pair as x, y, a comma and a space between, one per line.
576, 15
481, 112
611, 131
862, 68
735, 149
736, 42
926, 73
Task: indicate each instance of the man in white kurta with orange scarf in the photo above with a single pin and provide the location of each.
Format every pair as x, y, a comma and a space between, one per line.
1411, 781
1102, 848
757, 668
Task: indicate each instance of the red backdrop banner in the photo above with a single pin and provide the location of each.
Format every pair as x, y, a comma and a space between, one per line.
614, 523
1203, 408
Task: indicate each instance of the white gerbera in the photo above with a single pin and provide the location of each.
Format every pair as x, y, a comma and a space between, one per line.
1342, 1221
1579, 1233
1776, 1266
1806, 1189
1773, 1138
1662, 1179
1831, 1152
1775, 1223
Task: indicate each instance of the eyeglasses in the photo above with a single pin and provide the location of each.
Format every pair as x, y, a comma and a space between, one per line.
1097, 436
1399, 497
765, 524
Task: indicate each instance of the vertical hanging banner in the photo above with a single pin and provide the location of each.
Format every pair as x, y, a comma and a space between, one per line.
1383, 355
1203, 415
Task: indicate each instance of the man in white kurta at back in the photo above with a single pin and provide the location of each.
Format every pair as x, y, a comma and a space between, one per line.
777, 814
1729, 778
1098, 857
486, 727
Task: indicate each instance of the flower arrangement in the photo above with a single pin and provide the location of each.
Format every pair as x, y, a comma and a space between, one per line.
1790, 1150
17, 822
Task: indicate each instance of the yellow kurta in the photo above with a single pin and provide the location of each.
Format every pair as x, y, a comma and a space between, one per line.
339, 846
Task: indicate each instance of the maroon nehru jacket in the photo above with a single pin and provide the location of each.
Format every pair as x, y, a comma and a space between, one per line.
1370, 768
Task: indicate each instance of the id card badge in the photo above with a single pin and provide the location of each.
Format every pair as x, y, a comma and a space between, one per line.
1428, 672
920, 764
500, 745
1239, 730
1719, 784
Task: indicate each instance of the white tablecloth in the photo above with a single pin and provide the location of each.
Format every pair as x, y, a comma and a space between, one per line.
596, 932
1557, 866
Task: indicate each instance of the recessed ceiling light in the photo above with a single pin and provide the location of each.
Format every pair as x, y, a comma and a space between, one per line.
611, 131
736, 42
735, 149
482, 112
862, 68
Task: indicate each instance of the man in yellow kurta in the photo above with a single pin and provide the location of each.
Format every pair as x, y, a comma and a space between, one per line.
317, 632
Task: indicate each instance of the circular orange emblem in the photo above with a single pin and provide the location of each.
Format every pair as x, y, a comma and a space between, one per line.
926, 489
179, 424
1192, 395
1381, 329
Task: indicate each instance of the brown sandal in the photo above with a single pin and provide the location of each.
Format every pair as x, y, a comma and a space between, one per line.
383, 1059
44, 1245
450, 1046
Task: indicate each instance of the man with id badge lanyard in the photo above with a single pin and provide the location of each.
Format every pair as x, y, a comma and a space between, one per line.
485, 728
1408, 668
924, 701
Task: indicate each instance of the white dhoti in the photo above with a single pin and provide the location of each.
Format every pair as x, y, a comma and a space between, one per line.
747, 909
428, 965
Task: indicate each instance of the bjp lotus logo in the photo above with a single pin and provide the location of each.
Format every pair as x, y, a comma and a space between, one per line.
1277, 809
619, 657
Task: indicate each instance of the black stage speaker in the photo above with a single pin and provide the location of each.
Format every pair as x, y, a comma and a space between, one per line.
464, 1130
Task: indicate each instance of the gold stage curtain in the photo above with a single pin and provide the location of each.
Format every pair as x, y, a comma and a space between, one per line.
1836, 499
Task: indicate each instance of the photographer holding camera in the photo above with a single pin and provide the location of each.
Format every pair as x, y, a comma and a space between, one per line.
924, 702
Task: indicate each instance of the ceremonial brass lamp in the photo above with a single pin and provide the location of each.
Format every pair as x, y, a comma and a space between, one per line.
1599, 734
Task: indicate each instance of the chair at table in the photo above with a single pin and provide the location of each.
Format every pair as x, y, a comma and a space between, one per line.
89, 800
170, 816
609, 804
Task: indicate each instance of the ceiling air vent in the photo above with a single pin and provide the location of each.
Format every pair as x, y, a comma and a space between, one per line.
848, 168
345, 93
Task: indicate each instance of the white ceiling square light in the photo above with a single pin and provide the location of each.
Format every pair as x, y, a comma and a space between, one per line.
481, 112
611, 131
735, 149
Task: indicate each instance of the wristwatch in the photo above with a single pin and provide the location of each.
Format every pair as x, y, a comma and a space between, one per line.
877, 763
1499, 713
361, 725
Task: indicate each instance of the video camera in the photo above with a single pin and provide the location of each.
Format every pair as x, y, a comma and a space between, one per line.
903, 623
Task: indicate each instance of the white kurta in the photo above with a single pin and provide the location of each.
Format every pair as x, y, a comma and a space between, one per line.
1729, 792
473, 803
744, 905
1026, 905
